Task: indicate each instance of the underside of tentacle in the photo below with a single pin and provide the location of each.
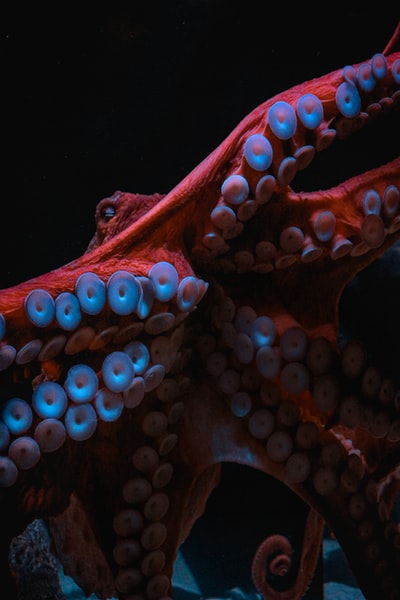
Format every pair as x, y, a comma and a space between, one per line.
201, 327
272, 566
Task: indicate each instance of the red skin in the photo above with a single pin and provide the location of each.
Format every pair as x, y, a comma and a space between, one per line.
170, 229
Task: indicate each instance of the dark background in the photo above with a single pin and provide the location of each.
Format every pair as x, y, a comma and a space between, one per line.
133, 99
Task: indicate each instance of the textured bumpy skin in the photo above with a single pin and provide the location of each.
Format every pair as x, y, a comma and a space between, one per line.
201, 327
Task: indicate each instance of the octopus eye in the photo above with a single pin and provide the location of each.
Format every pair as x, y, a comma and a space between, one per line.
107, 213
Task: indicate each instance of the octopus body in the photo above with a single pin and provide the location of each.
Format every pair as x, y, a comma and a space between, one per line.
201, 327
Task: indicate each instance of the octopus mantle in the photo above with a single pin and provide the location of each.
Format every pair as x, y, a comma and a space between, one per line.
201, 327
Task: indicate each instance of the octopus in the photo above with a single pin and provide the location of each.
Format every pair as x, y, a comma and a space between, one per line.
201, 328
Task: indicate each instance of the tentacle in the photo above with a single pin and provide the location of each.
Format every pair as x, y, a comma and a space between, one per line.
393, 43
272, 563
191, 337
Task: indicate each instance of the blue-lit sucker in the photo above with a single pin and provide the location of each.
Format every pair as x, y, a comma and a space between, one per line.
201, 327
